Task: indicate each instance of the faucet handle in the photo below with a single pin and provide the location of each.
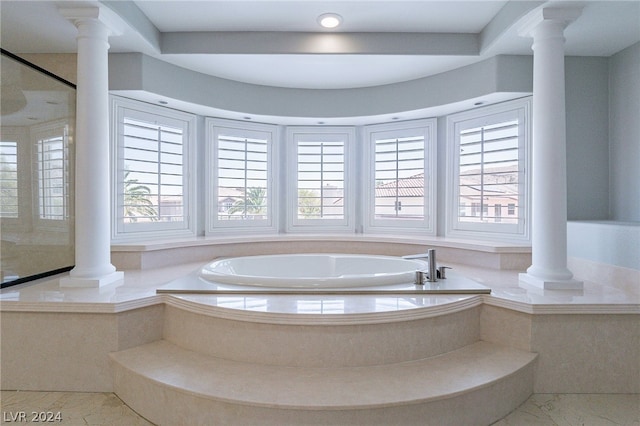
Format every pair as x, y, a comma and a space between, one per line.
441, 271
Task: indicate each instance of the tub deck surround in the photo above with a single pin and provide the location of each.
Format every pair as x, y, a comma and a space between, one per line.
138, 289
402, 289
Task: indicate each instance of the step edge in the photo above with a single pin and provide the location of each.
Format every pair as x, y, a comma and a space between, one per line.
466, 302
531, 358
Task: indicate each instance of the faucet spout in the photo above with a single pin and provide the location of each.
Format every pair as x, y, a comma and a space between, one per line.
431, 274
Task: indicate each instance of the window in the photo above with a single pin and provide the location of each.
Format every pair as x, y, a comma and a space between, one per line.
52, 178
385, 183
8, 179
51, 170
487, 161
153, 189
401, 180
241, 176
320, 183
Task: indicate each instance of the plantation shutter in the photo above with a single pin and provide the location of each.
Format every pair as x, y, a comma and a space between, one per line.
320, 178
53, 177
242, 187
9, 179
399, 178
489, 173
153, 172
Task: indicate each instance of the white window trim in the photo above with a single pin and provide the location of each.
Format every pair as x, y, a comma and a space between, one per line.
146, 231
427, 226
347, 224
212, 224
520, 233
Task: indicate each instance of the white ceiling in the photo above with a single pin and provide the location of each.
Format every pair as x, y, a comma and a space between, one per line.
359, 16
604, 28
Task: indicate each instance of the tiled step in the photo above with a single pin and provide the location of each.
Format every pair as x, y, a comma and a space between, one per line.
475, 385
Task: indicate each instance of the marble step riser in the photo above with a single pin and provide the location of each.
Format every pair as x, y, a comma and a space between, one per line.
165, 405
323, 345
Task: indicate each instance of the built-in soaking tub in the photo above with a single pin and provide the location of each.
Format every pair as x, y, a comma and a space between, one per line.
313, 270
319, 274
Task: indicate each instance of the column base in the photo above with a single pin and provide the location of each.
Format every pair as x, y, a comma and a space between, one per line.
91, 282
545, 284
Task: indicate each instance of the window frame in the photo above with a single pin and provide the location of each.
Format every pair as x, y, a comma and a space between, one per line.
480, 117
427, 128
328, 134
121, 108
214, 225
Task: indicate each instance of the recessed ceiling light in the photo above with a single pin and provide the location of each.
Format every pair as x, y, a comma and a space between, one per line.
163, 102
329, 20
479, 103
320, 122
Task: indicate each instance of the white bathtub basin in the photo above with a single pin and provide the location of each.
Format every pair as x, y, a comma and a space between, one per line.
313, 270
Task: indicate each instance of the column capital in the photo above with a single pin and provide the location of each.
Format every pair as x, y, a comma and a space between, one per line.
106, 17
561, 16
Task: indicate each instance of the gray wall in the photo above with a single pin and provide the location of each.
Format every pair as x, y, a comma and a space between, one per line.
624, 135
603, 158
586, 87
603, 136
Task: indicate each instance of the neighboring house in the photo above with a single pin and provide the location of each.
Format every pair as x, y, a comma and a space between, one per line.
402, 197
493, 199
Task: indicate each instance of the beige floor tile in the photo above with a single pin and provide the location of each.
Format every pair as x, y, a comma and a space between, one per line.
74, 408
106, 409
576, 410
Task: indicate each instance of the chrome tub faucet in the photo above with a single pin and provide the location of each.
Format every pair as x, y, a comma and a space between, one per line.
431, 274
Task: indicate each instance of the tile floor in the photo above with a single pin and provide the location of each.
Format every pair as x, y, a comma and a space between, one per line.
75, 408
576, 410
106, 409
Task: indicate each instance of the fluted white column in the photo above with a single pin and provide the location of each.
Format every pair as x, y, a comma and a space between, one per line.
549, 175
93, 266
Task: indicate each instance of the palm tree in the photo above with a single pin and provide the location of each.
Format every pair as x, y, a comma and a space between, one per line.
136, 200
308, 203
253, 203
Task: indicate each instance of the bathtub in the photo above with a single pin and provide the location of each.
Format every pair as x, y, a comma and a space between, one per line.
313, 271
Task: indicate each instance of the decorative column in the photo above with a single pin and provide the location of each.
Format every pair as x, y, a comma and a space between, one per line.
93, 266
549, 174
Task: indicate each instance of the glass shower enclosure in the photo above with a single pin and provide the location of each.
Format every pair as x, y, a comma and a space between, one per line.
36, 171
